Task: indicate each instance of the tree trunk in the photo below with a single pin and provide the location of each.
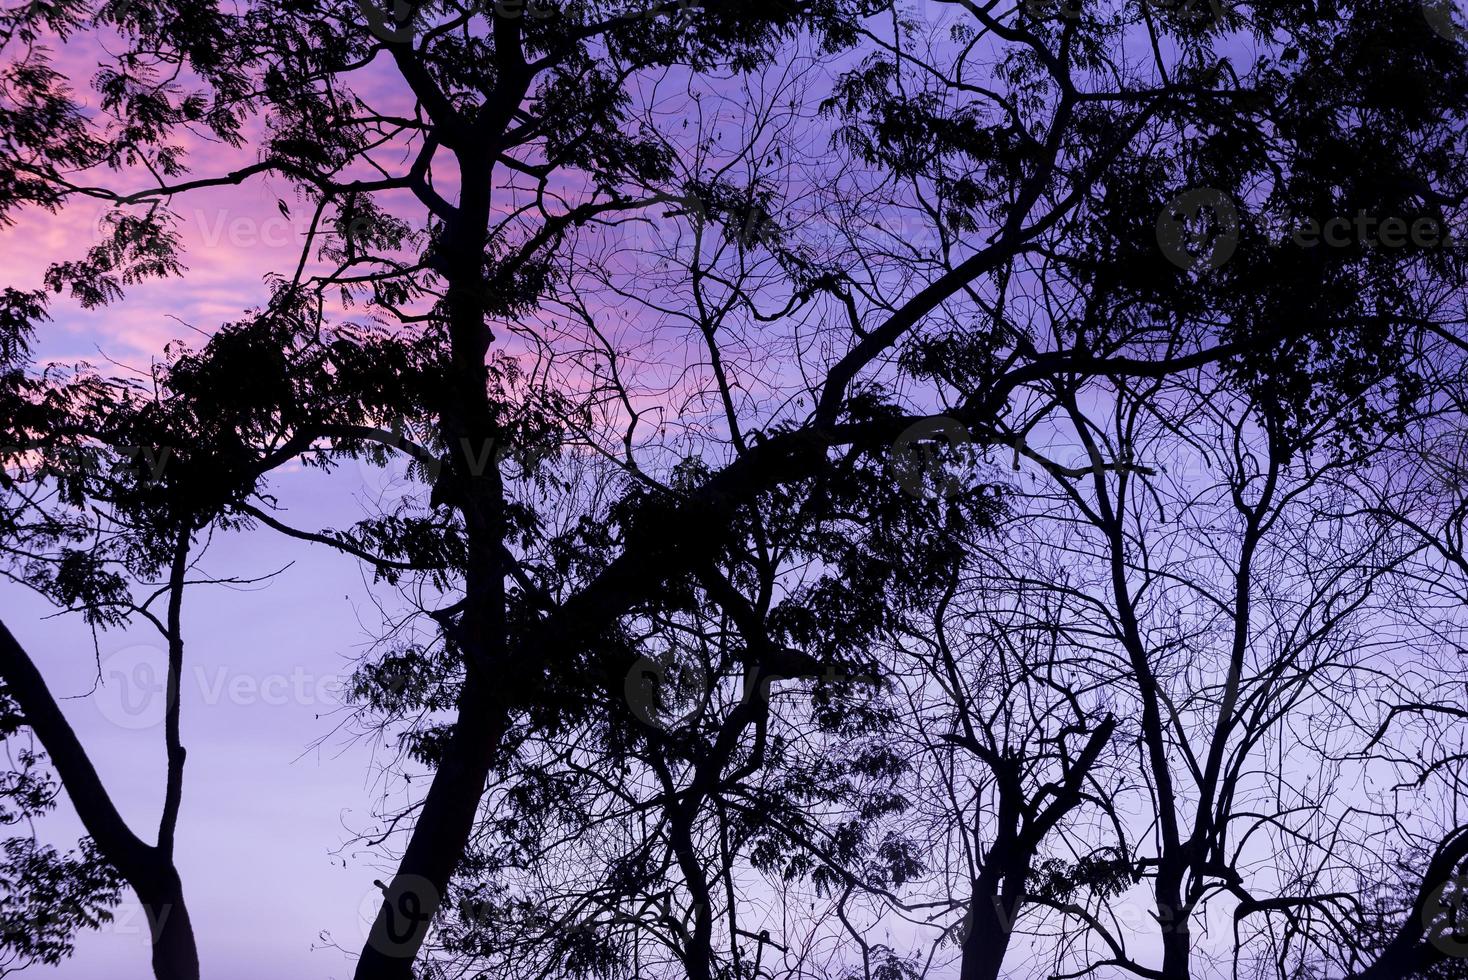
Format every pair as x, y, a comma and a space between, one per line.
148, 870
991, 924
437, 842
1172, 921
175, 956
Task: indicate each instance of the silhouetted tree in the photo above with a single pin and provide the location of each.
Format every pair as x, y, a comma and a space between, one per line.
995, 227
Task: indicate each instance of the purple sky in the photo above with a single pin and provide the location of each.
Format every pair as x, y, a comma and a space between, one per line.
266, 808
276, 787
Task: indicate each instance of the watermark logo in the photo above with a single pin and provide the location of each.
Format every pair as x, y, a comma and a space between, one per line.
132, 692
1444, 922
121, 232
398, 442
395, 442
664, 694
1199, 229
1368, 231
399, 21
933, 16
395, 918
658, 910
746, 224
925, 455
393, 23
137, 464
1192, 12
859, 687
1449, 18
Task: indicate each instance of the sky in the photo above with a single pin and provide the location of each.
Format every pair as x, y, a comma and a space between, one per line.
274, 784
277, 786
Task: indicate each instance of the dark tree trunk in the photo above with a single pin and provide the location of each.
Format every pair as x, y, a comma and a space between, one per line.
999, 889
148, 870
437, 843
991, 925
1411, 951
175, 956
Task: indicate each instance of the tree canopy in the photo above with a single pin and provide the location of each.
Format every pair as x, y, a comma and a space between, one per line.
948, 475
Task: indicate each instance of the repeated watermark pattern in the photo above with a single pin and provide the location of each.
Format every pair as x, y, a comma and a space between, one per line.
133, 693
1200, 230
666, 695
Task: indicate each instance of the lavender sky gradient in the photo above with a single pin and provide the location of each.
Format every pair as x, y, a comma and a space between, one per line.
274, 787
277, 787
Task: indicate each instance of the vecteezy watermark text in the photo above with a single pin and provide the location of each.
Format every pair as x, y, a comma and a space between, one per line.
1201, 229
133, 692
665, 694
